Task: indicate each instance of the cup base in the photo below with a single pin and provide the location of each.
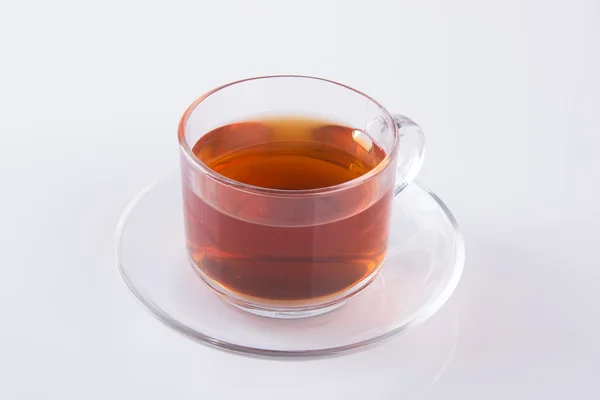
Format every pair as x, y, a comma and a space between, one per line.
285, 311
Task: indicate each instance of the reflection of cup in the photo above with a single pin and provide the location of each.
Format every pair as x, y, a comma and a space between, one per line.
404, 367
306, 250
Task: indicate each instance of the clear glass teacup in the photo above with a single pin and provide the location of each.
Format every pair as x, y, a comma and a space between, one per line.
291, 252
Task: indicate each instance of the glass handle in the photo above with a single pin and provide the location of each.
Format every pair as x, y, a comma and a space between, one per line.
410, 152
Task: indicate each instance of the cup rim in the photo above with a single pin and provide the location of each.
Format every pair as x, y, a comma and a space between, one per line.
191, 157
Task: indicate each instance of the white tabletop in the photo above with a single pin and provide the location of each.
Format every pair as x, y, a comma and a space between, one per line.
507, 92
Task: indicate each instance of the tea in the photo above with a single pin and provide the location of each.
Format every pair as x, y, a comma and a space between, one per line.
326, 249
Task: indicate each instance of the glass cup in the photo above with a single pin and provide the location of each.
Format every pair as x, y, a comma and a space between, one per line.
293, 253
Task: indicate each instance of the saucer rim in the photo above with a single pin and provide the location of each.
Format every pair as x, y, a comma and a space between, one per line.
204, 339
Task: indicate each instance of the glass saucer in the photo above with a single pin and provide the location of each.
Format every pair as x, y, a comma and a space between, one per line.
423, 266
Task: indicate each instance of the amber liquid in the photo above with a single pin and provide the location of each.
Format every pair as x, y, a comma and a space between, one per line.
289, 263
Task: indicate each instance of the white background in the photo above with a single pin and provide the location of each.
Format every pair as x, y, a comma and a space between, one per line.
507, 92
